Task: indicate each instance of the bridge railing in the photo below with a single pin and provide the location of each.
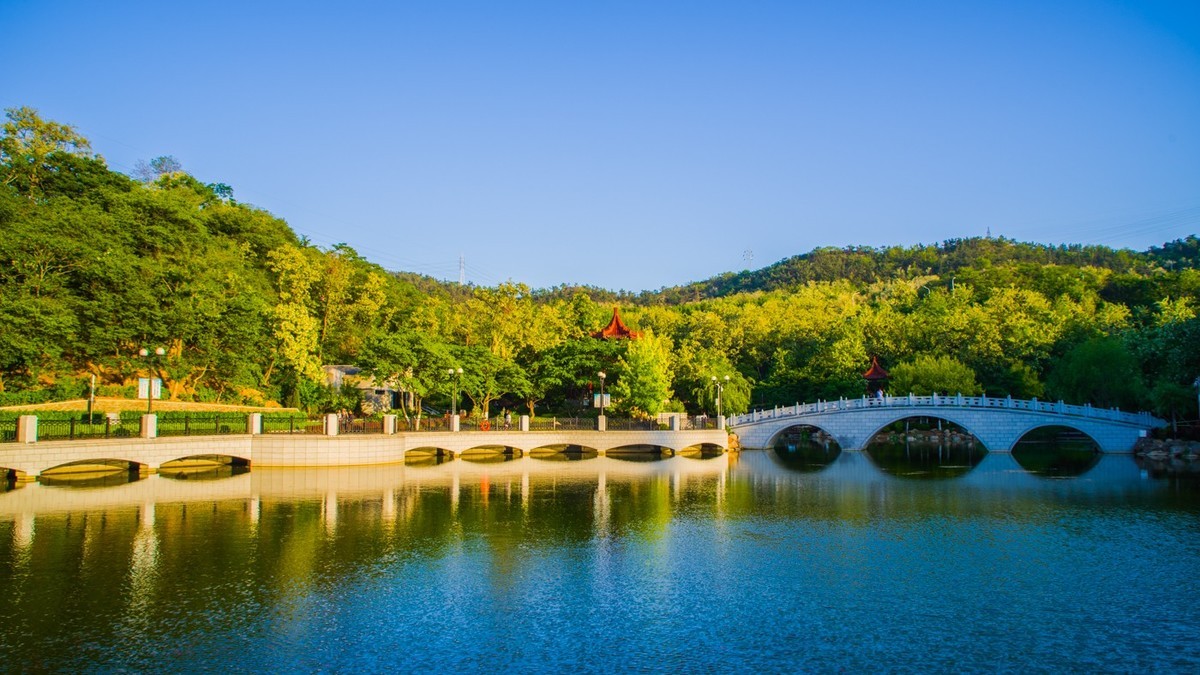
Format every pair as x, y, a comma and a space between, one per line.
937, 400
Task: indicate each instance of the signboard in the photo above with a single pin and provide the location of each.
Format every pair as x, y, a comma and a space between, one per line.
146, 385
596, 400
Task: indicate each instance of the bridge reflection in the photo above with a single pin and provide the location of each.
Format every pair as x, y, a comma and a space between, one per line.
1000, 471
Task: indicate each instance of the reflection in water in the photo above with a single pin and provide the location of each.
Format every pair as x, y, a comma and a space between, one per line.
489, 457
807, 457
654, 456
922, 460
332, 569
204, 472
563, 453
425, 459
1056, 452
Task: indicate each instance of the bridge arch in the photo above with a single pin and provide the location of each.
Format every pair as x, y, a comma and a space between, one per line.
427, 453
563, 448
800, 424
946, 418
1052, 424
216, 458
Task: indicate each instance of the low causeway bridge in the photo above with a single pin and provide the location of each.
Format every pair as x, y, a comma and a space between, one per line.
304, 450
998, 423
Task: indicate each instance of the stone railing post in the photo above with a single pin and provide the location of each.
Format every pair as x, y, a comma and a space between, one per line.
27, 429
254, 424
523, 423
673, 423
389, 425
331, 424
601, 423
150, 426
455, 423
721, 422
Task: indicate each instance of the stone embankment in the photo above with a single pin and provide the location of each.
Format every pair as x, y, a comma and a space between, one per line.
1156, 449
946, 436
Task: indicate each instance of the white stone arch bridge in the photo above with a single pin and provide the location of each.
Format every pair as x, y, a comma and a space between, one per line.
997, 422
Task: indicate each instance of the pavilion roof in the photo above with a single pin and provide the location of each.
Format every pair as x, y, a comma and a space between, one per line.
616, 329
876, 371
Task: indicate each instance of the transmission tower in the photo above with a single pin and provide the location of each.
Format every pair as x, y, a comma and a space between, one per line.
748, 257
462, 270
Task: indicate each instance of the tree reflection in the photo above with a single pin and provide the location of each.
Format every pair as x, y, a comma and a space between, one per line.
924, 460
1056, 452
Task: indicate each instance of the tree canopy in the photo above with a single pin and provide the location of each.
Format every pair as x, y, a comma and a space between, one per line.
98, 265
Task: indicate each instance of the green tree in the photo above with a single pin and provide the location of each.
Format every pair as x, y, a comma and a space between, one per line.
26, 146
1100, 371
927, 375
644, 385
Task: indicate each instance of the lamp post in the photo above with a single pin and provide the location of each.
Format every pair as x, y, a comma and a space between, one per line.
720, 388
153, 359
456, 375
1196, 384
602, 376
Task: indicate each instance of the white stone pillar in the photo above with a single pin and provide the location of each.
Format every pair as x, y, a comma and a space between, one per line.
601, 423
389, 424
149, 426
674, 424
721, 422
27, 429
254, 424
455, 424
523, 423
331, 425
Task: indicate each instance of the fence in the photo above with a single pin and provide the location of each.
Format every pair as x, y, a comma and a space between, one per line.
632, 425
424, 424
60, 430
360, 426
202, 424
8, 431
562, 424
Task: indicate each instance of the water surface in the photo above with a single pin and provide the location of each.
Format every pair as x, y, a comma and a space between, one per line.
756, 561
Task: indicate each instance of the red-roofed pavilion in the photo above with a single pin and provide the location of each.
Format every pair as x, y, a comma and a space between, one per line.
875, 376
616, 329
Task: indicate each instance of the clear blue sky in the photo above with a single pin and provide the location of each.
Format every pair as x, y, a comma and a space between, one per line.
641, 144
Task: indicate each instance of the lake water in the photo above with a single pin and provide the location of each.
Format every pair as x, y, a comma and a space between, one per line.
752, 561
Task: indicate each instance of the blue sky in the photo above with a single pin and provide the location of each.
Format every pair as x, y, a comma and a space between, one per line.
641, 144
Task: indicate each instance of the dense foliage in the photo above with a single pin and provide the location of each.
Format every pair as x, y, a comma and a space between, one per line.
98, 265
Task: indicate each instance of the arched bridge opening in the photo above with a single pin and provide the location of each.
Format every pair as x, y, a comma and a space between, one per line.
427, 456
563, 452
805, 448
702, 451
925, 447
102, 472
1056, 451
13, 478
640, 453
204, 467
490, 454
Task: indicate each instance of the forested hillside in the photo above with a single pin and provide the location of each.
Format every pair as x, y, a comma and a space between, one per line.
98, 265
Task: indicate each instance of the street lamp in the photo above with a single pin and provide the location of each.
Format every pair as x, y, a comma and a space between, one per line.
452, 372
1196, 384
602, 376
720, 388
153, 358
